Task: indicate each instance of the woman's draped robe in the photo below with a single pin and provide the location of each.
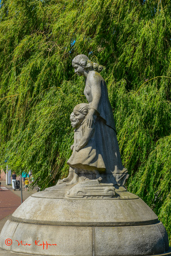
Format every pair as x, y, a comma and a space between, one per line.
101, 151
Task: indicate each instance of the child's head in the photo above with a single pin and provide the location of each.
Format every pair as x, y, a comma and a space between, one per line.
78, 114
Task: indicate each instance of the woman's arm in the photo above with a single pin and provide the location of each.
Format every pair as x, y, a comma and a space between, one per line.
95, 82
95, 85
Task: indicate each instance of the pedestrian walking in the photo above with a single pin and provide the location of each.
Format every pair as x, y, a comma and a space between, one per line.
13, 180
26, 184
24, 175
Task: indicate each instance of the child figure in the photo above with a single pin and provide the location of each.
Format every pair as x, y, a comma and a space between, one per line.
85, 160
82, 132
26, 184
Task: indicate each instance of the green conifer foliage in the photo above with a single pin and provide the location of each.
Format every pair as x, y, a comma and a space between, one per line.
38, 88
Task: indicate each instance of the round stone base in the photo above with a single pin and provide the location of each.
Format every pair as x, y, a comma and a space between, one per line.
47, 223
71, 240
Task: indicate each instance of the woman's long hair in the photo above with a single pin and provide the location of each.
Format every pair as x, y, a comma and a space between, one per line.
84, 61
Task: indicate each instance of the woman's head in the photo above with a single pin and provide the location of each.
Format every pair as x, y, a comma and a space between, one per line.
81, 63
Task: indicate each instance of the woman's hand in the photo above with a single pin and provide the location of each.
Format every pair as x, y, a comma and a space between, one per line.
90, 118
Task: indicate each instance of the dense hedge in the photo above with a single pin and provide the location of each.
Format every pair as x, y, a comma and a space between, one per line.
38, 88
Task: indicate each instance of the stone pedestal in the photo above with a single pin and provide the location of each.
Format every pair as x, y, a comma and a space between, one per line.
84, 225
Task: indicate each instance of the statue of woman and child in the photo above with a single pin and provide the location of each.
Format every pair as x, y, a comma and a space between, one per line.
95, 150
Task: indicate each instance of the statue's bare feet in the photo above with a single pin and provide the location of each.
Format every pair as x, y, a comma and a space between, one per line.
67, 179
74, 179
62, 181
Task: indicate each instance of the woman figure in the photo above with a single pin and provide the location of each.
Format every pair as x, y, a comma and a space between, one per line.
100, 117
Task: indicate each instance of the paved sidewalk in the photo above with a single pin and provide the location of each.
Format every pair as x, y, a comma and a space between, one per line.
26, 194
10, 200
